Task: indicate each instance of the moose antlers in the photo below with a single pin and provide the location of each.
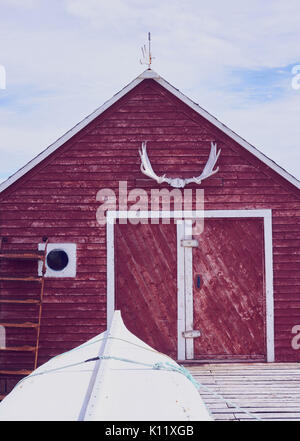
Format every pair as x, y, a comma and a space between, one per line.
208, 170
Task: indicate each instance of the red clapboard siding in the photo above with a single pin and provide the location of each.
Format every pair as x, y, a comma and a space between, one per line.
58, 199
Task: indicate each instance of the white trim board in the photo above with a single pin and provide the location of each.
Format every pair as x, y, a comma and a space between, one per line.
266, 215
188, 290
148, 74
110, 250
181, 325
184, 268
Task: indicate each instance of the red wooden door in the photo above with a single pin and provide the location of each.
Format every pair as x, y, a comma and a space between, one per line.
229, 307
146, 282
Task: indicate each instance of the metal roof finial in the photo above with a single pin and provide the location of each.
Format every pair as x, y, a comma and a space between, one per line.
146, 52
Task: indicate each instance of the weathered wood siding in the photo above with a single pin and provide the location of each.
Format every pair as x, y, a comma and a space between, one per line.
247, 391
57, 199
146, 283
229, 304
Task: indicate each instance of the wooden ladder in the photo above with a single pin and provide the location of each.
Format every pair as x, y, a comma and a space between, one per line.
24, 255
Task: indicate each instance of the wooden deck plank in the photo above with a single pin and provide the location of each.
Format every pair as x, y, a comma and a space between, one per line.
268, 391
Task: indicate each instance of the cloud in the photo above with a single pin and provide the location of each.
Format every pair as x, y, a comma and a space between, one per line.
64, 58
272, 128
23, 4
236, 33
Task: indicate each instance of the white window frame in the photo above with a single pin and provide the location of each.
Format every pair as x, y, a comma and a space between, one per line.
69, 270
185, 346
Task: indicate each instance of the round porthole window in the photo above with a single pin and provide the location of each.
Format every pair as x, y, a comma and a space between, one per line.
57, 260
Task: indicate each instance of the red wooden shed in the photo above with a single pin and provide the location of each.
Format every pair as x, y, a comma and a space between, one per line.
229, 292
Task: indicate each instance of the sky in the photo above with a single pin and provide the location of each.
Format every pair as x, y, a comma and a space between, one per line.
61, 59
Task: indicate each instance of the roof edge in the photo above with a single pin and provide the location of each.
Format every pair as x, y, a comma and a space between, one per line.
212, 119
70, 133
148, 74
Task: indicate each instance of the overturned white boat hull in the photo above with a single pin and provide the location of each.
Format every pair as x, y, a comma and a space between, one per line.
126, 380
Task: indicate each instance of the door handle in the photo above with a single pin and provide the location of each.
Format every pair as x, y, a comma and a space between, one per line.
198, 282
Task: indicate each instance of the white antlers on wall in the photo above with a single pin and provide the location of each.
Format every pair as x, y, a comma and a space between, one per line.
208, 170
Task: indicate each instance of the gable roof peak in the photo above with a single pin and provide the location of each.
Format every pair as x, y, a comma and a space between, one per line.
148, 74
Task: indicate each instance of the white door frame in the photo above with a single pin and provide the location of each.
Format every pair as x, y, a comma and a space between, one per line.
179, 217
185, 268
